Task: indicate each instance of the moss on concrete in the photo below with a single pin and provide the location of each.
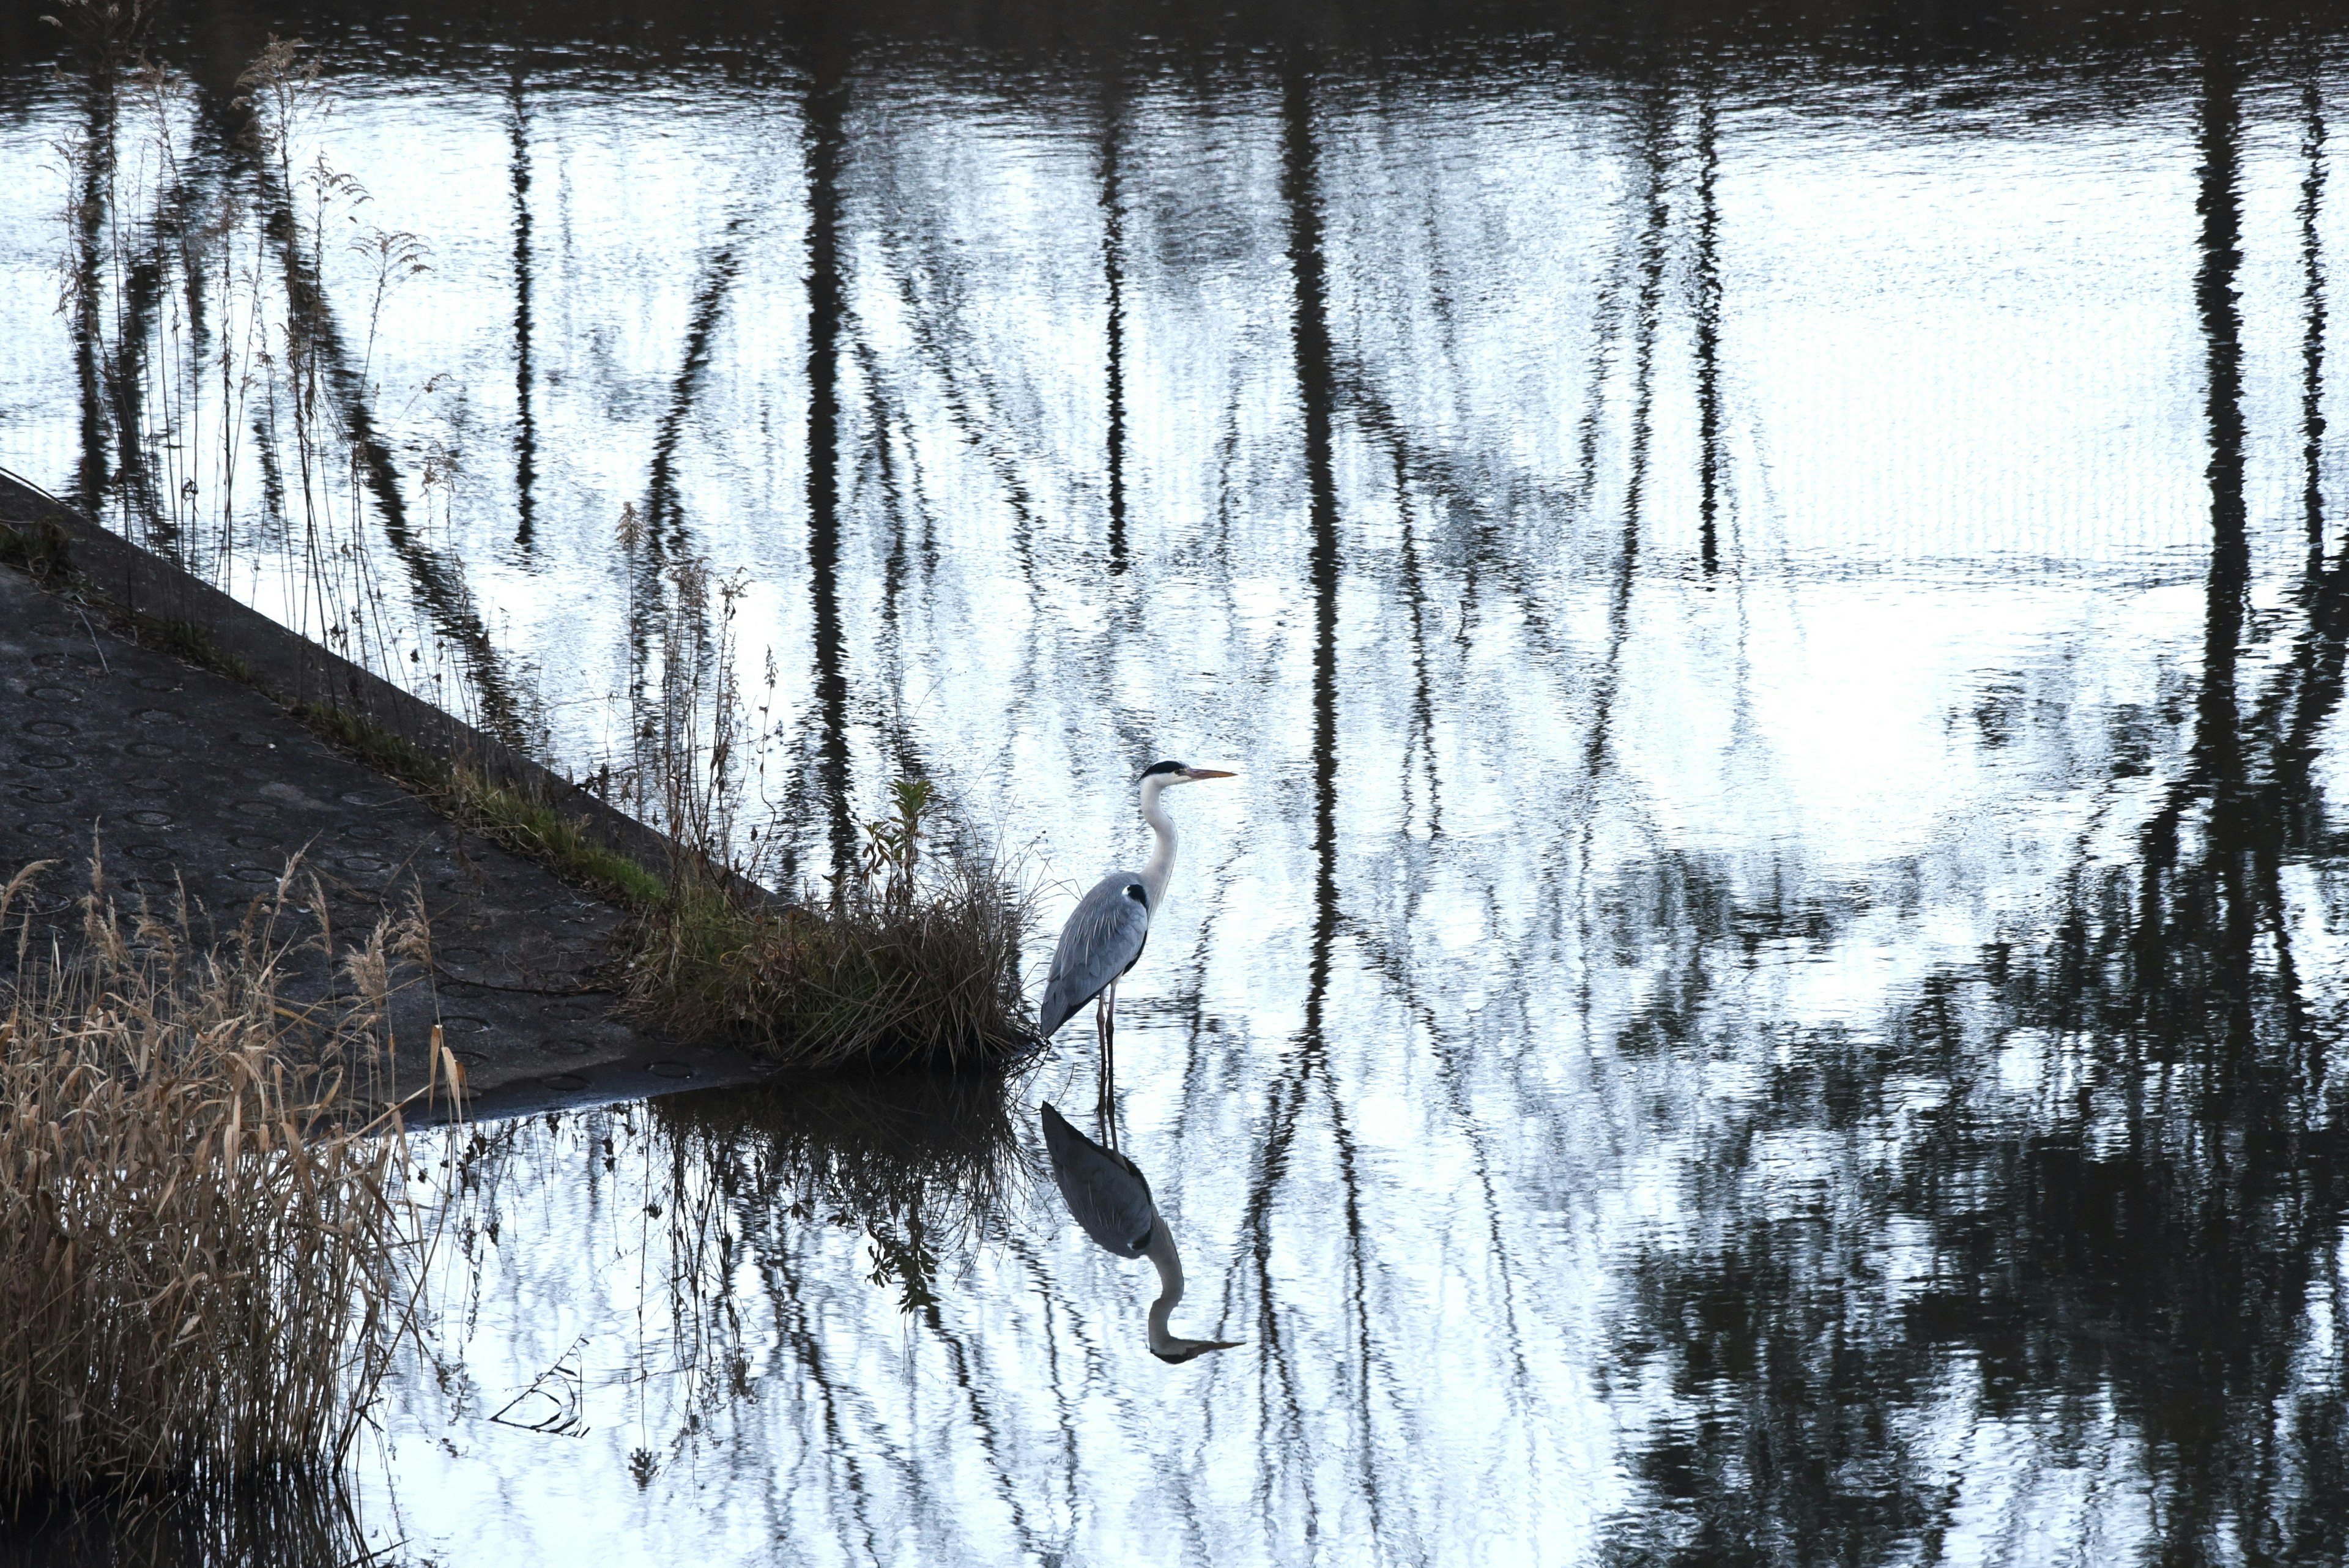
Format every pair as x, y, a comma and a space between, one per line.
526, 826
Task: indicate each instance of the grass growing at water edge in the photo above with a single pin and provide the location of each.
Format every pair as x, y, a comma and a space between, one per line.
913, 962
525, 825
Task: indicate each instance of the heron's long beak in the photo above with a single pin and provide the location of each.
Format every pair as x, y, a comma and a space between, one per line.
1207, 774
1179, 1351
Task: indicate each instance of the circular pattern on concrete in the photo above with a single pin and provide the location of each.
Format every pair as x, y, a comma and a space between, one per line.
46, 759
55, 694
462, 1023
156, 716
148, 818
367, 833
50, 727
566, 1047
151, 749
243, 840
44, 794
153, 784
364, 864
254, 874
148, 852
44, 829
154, 889
53, 660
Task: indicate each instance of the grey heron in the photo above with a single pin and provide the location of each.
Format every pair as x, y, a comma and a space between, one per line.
1105, 936
1111, 1199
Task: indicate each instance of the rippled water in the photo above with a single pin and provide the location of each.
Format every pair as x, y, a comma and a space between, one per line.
1771, 986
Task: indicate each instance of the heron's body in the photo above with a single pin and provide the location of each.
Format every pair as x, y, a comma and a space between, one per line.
1111, 1200
1101, 940
1105, 936
1106, 1192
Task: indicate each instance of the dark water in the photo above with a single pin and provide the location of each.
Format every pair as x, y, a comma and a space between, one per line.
1770, 987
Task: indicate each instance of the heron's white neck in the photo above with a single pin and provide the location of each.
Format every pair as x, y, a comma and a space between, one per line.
1162, 852
1160, 1250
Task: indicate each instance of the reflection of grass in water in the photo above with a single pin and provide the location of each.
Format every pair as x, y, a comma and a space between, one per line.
722, 1196
200, 1260
276, 1524
917, 1161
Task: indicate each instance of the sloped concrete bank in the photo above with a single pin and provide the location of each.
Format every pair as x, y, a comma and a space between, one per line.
189, 778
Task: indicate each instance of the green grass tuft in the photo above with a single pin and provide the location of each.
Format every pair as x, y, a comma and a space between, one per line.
915, 961
38, 546
186, 640
526, 826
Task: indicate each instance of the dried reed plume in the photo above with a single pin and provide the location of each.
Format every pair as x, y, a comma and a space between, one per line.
198, 1270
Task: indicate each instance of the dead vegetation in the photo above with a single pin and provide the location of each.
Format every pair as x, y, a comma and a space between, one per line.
206, 1230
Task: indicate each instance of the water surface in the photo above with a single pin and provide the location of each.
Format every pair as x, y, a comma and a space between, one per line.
1770, 988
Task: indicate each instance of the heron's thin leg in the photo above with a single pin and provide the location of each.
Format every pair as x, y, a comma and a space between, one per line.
1101, 1055
1107, 1018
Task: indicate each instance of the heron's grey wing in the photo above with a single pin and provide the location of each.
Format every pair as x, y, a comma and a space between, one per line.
1104, 1191
1099, 943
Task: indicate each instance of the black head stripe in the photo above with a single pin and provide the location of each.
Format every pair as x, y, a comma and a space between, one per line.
1155, 768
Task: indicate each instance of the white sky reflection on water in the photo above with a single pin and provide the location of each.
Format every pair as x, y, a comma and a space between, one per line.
1671, 911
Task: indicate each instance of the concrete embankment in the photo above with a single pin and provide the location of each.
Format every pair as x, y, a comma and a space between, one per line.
191, 780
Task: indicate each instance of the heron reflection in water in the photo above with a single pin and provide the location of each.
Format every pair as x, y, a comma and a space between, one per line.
1111, 1198
1105, 936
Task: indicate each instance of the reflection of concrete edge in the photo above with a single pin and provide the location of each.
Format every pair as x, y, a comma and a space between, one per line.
293, 669
607, 1084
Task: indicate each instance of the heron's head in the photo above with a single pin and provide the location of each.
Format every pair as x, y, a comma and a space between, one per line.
1175, 1351
1161, 774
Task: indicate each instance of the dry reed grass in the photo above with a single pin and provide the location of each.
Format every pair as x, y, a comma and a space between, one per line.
200, 1181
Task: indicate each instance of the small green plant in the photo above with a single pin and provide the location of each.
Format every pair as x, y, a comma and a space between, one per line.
37, 547
893, 845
